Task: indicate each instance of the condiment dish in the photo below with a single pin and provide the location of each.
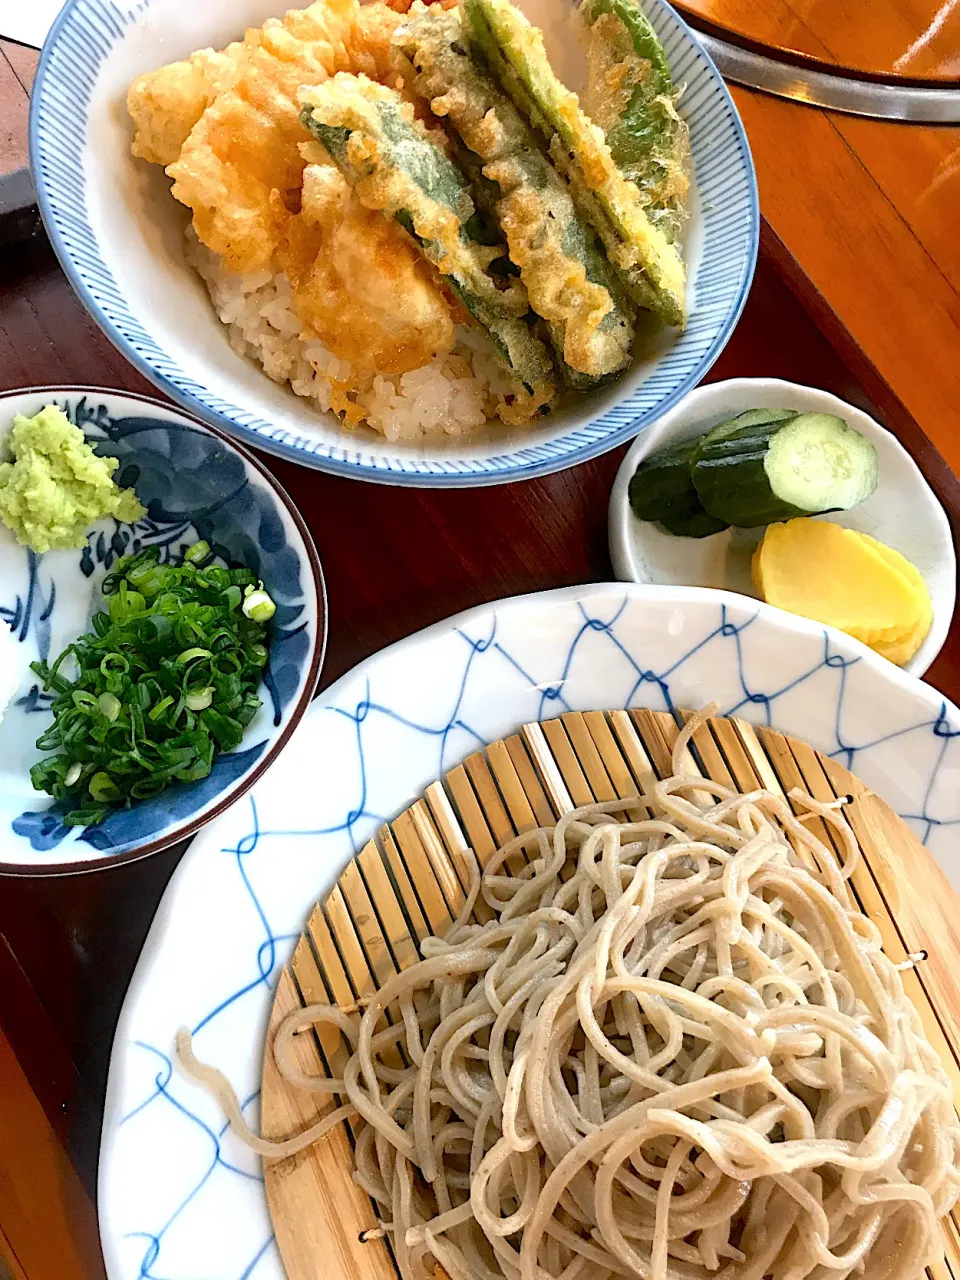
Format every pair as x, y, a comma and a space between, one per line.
196, 485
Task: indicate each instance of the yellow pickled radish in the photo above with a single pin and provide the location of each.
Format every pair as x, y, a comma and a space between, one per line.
899, 646
755, 570
845, 579
913, 576
830, 574
901, 651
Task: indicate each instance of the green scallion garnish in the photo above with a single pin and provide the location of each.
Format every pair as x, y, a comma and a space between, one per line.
166, 679
257, 604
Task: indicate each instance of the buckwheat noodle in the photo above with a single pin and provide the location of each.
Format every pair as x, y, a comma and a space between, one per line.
673, 1049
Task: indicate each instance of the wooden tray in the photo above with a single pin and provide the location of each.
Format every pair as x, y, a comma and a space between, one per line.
409, 882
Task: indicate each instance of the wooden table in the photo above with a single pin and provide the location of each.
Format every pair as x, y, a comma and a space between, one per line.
862, 214
891, 39
395, 560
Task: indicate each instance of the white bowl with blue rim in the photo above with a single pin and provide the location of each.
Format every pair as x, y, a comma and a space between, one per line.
902, 512
195, 484
179, 1196
119, 235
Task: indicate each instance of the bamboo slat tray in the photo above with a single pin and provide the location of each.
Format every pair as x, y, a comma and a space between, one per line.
408, 882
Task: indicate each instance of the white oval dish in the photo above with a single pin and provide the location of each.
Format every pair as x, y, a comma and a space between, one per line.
904, 512
119, 236
180, 1197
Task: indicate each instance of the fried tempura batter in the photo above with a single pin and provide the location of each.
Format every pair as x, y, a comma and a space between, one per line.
359, 282
166, 104
404, 6
240, 111
563, 268
397, 167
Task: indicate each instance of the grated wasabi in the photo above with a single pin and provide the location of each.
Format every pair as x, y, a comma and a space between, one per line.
56, 487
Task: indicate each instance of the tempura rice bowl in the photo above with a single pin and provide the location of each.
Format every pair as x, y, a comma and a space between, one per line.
121, 239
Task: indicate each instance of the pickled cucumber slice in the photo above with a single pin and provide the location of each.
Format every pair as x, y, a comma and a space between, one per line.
562, 264
771, 471
694, 523
650, 266
662, 483
397, 169
630, 95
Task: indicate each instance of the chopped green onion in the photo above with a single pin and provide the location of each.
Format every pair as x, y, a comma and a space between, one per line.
216, 578
167, 677
142, 694
201, 699
249, 709
257, 605
161, 707
103, 788
190, 655
109, 705
85, 817
196, 554
126, 604
225, 729
195, 772
148, 579
155, 630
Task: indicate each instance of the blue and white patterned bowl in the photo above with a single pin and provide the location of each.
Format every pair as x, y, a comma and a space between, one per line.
195, 484
119, 236
180, 1197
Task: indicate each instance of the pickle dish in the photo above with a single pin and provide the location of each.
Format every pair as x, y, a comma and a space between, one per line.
887, 498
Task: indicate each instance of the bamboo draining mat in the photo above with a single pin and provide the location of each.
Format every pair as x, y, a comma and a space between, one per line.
410, 880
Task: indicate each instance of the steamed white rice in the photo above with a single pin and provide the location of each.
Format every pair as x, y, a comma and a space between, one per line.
453, 395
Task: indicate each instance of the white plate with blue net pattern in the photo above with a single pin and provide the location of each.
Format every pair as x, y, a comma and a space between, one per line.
119, 235
180, 1198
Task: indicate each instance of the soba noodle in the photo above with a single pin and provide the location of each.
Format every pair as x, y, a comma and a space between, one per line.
673, 1049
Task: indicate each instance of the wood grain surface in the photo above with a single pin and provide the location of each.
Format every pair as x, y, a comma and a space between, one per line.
48, 1229
859, 214
16, 76
395, 560
919, 39
411, 882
